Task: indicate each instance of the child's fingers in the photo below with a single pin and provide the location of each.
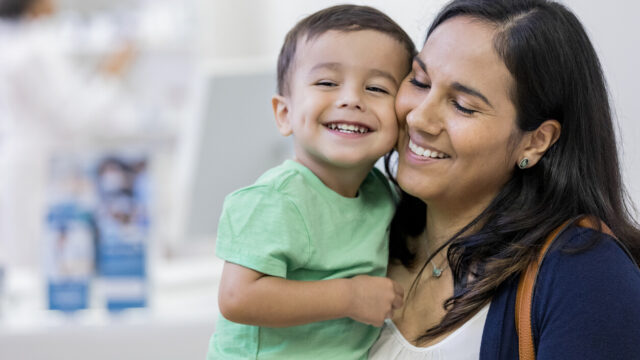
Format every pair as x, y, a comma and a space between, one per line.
397, 302
398, 288
399, 295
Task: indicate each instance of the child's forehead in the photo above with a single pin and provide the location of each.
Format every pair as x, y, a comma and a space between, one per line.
348, 45
310, 38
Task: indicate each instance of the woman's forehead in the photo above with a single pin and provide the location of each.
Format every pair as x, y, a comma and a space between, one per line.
461, 50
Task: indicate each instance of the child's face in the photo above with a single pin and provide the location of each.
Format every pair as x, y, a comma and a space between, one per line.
340, 106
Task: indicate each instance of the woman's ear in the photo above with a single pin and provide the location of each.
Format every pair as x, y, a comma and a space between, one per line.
538, 141
281, 113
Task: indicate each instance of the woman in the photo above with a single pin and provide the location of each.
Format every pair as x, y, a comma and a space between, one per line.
506, 133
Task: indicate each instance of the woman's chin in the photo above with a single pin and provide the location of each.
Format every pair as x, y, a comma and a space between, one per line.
412, 186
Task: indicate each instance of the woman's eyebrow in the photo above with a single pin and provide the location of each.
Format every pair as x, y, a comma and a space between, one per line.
467, 90
420, 63
456, 85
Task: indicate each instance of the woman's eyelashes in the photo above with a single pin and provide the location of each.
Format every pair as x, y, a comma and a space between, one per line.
462, 109
419, 84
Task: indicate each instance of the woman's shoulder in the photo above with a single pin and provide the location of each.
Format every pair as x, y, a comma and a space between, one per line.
587, 286
584, 262
587, 252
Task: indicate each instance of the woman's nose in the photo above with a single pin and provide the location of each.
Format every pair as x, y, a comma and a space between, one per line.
426, 116
351, 97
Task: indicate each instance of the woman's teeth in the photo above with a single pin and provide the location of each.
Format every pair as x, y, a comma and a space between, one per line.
347, 128
426, 153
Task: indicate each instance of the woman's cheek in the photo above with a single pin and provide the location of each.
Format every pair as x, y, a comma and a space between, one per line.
403, 105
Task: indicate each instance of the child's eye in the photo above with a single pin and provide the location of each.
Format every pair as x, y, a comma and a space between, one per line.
419, 84
462, 109
377, 89
326, 83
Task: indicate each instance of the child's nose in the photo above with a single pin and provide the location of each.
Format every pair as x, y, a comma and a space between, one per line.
351, 98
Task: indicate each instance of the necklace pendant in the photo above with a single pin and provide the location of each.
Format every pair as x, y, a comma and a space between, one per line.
437, 272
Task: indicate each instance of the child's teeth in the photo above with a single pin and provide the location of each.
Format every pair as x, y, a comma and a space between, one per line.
346, 128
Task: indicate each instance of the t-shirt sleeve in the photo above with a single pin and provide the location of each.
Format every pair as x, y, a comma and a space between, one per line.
587, 304
263, 230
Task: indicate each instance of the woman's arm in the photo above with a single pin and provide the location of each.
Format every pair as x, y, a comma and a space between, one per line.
250, 297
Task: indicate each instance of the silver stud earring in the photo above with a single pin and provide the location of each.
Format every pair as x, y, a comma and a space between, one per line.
523, 163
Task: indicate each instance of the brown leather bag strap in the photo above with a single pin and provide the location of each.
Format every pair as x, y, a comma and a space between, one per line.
526, 347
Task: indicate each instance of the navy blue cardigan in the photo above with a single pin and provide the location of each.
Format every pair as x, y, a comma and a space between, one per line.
586, 304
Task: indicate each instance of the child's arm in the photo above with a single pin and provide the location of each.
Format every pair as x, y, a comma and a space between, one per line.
250, 297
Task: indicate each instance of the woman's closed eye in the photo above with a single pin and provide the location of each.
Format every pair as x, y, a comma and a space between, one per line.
419, 84
463, 109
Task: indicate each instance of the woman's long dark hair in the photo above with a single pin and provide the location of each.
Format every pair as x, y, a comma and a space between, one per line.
557, 76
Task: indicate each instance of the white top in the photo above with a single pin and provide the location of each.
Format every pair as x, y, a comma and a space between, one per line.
462, 344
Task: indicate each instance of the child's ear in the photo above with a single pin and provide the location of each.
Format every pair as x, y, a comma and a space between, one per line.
281, 113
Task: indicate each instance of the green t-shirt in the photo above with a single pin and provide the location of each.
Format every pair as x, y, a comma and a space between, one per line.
289, 224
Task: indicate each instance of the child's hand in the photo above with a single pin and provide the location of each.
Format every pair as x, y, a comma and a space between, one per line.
374, 299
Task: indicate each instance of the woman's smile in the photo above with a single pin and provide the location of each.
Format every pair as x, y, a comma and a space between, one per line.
426, 152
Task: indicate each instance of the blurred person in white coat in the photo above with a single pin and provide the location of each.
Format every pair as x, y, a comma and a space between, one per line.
46, 100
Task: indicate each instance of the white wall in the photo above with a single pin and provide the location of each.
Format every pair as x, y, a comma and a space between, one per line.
612, 26
240, 28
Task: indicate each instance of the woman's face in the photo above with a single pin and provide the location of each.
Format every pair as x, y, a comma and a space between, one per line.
458, 137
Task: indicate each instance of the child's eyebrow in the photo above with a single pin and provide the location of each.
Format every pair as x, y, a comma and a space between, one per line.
384, 74
326, 65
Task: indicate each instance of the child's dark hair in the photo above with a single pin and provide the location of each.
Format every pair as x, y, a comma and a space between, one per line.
340, 18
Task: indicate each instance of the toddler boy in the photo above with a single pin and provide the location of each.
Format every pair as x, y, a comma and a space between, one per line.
306, 247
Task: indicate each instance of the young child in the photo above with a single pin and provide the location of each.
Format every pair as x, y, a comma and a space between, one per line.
306, 246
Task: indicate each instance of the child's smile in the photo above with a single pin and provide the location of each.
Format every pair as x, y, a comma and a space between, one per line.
348, 128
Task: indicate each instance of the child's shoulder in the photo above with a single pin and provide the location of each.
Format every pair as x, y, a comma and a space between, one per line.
380, 182
378, 175
285, 179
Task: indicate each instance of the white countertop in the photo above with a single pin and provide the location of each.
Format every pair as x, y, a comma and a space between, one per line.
177, 324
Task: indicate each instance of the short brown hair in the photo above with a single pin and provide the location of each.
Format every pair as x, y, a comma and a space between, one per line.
341, 18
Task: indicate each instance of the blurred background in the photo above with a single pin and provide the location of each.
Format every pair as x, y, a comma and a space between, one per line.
124, 123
